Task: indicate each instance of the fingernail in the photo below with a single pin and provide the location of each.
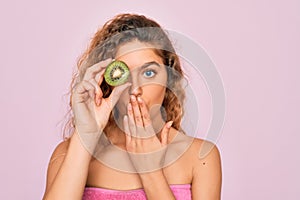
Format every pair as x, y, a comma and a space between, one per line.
132, 97
169, 124
139, 99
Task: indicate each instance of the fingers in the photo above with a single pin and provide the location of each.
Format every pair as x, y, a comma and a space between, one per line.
82, 89
139, 118
127, 130
92, 72
98, 92
165, 133
136, 110
144, 112
116, 93
146, 117
131, 122
94, 75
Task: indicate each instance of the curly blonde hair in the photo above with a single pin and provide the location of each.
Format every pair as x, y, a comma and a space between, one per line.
125, 28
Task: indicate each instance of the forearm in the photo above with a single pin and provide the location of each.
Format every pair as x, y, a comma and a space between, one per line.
71, 178
156, 186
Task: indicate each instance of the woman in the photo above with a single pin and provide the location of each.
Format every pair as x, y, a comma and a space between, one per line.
126, 141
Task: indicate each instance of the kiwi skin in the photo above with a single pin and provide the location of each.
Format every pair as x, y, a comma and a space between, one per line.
120, 70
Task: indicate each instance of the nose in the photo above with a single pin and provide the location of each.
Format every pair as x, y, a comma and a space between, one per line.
135, 88
136, 91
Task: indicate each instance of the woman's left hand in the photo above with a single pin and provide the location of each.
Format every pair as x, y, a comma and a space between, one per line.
146, 151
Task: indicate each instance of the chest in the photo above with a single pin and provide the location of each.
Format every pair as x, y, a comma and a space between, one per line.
112, 170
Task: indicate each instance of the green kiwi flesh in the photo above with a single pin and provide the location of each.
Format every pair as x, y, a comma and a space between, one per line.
116, 73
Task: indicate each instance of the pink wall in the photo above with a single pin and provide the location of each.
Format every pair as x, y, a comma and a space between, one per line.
254, 44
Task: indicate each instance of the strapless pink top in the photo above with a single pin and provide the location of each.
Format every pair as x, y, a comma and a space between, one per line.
180, 191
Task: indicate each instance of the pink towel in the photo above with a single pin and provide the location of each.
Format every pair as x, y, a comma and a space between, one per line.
180, 191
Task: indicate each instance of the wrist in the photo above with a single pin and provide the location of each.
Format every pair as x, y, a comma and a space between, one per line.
87, 140
154, 176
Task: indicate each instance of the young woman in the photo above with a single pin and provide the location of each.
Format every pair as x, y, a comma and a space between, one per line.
127, 141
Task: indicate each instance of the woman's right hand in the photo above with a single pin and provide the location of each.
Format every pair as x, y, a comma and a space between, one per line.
91, 111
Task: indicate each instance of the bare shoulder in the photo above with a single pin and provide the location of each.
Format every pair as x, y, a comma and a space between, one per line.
56, 161
204, 150
199, 150
207, 172
60, 150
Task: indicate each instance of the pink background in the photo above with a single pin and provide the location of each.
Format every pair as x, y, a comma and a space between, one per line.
254, 44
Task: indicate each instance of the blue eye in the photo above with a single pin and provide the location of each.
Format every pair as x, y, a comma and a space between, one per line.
149, 73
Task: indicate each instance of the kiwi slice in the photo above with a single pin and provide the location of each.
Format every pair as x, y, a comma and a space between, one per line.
116, 73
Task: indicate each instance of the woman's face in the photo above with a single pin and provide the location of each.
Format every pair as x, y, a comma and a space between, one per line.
148, 76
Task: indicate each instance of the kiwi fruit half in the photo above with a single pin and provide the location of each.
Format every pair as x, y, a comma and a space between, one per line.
116, 73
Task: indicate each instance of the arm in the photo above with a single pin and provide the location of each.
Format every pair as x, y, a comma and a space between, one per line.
207, 176
67, 174
136, 124
156, 186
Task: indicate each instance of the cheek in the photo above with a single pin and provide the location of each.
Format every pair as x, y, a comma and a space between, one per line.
153, 94
123, 102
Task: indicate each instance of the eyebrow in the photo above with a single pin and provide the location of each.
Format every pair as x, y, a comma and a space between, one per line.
147, 64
